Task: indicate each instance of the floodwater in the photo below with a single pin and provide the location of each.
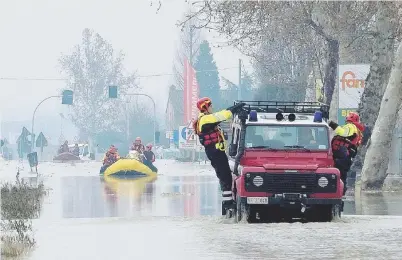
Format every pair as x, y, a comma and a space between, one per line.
177, 216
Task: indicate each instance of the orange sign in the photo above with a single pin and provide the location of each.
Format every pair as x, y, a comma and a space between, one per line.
349, 81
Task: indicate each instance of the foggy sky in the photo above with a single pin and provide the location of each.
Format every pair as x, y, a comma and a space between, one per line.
35, 33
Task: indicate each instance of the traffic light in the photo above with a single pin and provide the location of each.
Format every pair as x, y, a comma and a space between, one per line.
67, 97
112, 91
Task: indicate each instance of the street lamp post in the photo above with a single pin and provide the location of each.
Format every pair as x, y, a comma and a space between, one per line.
113, 94
33, 121
67, 99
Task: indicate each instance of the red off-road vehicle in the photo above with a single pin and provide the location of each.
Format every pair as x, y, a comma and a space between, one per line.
282, 163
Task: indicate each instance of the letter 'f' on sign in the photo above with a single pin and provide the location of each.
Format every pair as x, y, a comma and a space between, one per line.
349, 80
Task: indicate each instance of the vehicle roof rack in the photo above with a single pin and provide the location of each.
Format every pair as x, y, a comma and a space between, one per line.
286, 107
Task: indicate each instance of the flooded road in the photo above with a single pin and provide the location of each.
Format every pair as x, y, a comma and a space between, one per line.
177, 216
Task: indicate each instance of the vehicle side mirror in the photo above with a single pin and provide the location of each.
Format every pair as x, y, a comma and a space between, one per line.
243, 115
232, 149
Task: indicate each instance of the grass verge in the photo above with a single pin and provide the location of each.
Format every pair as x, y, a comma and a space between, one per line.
20, 203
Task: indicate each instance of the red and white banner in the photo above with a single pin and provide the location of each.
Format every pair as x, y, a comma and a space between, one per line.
191, 93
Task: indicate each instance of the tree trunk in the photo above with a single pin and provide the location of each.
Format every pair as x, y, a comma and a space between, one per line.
381, 64
377, 157
331, 69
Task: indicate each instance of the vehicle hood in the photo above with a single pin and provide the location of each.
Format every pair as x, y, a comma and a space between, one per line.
289, 160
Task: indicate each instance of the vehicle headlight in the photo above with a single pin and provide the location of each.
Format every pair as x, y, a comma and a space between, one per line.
258, 181
323, 182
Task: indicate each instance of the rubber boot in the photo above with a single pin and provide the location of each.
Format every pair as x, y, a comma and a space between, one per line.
227, 201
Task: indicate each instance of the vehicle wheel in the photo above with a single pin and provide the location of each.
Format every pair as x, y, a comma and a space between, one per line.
244, 211
325, 213
239, 209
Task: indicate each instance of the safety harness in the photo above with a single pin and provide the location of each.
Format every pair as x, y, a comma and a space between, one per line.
350, 143
209, 138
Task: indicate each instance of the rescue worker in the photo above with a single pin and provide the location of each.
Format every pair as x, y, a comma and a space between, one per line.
64, 148
345, 143
212, 138
133, 154
76, 150
149, 158
110, 157
138, 146
149, 155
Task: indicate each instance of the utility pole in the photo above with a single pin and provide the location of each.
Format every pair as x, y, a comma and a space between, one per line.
191, 44
191, 63
239, 87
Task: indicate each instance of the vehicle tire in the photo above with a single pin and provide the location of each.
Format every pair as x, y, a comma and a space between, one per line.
244, 211
239, 209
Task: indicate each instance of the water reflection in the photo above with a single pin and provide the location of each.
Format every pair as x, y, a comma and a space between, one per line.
371, 204
94, 197
190, 196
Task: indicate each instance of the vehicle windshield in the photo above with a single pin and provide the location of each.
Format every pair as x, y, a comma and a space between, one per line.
287, 137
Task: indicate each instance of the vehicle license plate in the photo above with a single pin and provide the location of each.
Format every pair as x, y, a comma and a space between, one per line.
257, 200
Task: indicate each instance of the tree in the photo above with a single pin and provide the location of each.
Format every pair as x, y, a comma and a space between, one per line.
207, 74
230, 93
385, 30
189, 44
91, 68
334, 26
141, 120
247, 84
375, 164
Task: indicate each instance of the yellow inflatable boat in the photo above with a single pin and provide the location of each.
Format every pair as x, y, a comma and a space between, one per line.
130, 168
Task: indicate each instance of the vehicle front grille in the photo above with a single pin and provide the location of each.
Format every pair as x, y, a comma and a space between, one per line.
282, 182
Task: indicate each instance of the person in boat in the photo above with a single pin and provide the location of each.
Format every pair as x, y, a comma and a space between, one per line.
138, 146
212, 138
64, 148
134, 154
149, 157
76, 150
111, 156
345, 143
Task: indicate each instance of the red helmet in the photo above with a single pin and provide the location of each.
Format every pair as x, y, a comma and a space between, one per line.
204, 103
353, 117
